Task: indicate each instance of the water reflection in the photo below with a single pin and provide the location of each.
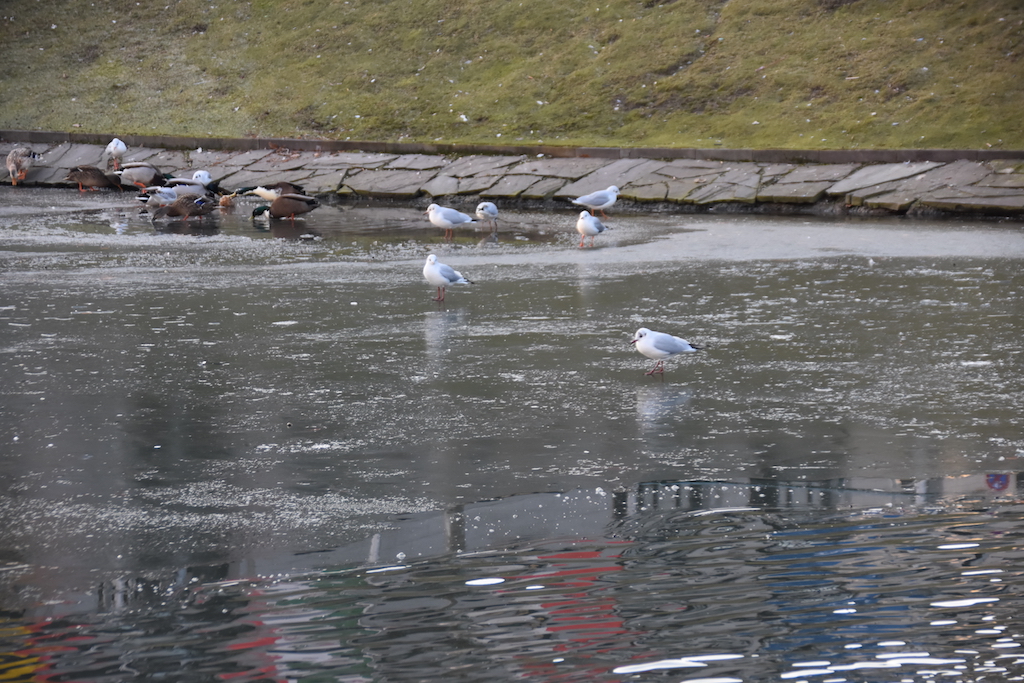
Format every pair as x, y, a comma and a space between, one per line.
697, 587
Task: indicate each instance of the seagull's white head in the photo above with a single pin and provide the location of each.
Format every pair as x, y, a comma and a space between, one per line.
613, 190
640, 334
202, 177
431, 260
432, 207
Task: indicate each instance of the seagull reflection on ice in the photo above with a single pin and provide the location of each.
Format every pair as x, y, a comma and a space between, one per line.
437, 331
658, 405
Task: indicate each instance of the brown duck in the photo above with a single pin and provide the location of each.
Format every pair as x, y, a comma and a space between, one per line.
93, 178
19, 161
185, 206
287, 206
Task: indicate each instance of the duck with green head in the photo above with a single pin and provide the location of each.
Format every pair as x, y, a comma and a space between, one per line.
186, 206
287, 206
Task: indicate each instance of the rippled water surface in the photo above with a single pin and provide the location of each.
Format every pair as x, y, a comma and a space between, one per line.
240, 452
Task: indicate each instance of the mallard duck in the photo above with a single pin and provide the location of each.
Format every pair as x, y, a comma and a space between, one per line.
186, 205
287, 206
19, 161
280, 187
114, 152
141, 174
92, 177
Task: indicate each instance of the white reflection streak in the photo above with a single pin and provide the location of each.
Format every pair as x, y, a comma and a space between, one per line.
682, 662
886, 661
969, 602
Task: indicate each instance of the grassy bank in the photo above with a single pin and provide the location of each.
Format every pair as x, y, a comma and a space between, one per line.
812, 74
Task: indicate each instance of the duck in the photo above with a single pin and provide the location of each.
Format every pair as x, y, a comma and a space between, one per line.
19, 162
287, 206
599, 201
589, 226
142, 174
115, 152
93, 178
185, 206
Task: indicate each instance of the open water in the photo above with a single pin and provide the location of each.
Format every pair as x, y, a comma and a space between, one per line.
237, 452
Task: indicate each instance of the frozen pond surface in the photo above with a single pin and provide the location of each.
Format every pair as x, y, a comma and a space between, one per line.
266, 454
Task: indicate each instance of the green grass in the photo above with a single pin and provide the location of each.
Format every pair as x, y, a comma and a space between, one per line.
810, 74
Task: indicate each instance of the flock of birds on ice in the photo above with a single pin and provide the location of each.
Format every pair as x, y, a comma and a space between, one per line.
199, 195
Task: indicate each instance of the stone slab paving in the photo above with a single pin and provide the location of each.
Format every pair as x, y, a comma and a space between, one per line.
994, 186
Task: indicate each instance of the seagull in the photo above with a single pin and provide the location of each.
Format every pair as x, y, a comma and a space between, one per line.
446, 218
589, 226
114, 151
600, 200
440, 275
158, 196
201, 183
659, 346
487, 211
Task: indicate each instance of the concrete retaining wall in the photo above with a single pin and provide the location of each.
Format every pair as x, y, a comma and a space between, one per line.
911, 182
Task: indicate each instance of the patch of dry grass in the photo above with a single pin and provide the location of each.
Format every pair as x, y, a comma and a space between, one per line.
739, 73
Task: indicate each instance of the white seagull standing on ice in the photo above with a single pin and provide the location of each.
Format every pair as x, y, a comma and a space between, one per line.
600, 200
487, 211
446, 218
659, 346
440, 275
115, 151
589, 226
